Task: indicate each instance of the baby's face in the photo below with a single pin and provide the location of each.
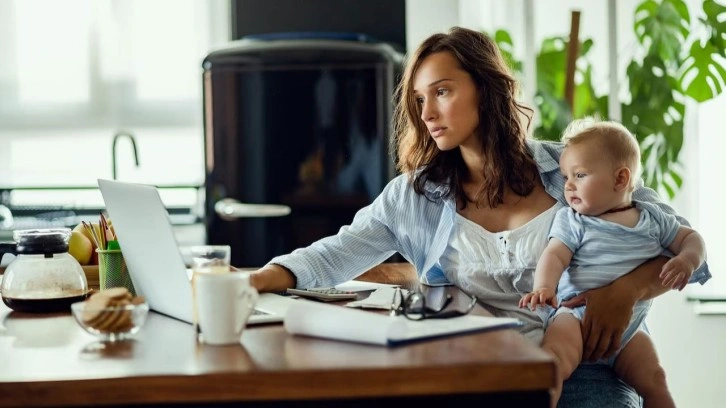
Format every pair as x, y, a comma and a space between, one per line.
589, 178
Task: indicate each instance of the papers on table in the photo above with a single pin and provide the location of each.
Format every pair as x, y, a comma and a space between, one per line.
339, 323
381, 298
360, 286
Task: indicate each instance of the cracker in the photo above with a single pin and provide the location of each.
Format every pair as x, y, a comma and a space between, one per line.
107, 323
117, 293
93, 308
105, 310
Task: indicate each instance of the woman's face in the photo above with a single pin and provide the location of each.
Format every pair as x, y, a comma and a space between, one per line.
447, 99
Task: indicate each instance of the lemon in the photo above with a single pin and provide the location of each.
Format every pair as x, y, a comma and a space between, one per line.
80, 247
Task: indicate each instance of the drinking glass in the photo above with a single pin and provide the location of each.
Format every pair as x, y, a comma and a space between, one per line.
206, 259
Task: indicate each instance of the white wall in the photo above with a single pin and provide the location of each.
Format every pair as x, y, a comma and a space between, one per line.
695, 376
692, 351
426, 17
692, 348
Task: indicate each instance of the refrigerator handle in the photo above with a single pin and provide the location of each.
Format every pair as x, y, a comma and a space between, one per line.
230, 209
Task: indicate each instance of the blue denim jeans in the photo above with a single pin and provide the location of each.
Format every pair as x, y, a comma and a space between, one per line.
597, 385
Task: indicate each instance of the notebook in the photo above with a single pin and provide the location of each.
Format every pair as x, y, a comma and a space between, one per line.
153, 257
339, 323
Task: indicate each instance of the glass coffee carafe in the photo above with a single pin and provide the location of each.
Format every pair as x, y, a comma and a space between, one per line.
43, 277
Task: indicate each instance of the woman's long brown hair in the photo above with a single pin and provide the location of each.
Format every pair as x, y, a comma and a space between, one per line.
507, 163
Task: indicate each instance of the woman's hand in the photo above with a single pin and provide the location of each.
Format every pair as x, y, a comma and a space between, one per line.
610, 308
607, 315
272, 278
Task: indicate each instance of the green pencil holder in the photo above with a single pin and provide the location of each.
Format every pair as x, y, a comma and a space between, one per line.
112, 271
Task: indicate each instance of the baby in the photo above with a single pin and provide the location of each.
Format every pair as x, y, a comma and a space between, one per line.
601, 236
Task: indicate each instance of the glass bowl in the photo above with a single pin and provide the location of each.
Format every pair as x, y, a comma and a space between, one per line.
111, 323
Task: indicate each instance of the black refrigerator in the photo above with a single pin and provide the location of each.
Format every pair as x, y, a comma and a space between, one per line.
296, 138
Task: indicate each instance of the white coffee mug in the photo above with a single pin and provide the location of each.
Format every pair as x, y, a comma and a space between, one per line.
224, 303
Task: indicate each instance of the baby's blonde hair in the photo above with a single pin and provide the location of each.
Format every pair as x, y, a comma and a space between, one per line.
614, 138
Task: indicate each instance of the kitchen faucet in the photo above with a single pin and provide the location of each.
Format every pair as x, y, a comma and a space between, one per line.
116, 137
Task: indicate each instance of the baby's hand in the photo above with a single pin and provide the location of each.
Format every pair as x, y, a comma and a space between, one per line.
541, 296
676, 273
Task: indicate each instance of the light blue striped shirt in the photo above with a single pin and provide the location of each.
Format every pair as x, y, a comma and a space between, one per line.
400, 220
604, 251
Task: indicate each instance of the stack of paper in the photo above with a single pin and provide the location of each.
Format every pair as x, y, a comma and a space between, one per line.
339, 323
361, 286
381, 298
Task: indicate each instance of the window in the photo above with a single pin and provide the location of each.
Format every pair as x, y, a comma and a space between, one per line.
705, 167
75, 72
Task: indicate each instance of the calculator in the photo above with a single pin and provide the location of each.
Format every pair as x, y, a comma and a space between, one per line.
324, 294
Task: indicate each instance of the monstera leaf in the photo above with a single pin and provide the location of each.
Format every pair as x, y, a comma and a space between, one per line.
662, 27
702, 75
664, 179
650, 85
655, 116
714, 13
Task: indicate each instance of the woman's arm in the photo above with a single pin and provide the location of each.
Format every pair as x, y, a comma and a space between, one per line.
370, 239
610, 308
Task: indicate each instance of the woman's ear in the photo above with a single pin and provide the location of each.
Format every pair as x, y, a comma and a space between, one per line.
622, 179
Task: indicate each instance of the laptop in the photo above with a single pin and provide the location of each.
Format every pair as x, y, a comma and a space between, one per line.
153, 257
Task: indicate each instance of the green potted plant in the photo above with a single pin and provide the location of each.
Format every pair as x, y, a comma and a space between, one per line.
676, 60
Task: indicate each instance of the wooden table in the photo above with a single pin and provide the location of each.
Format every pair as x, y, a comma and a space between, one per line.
48, 360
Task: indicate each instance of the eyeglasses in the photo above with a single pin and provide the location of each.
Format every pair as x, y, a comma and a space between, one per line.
414, 307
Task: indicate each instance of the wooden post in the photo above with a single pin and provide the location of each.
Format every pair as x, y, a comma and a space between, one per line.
573, 49
614, 110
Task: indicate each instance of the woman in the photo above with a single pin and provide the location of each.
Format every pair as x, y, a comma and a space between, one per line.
473, 205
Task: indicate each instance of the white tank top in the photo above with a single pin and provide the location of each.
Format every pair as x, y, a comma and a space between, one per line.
498, 267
